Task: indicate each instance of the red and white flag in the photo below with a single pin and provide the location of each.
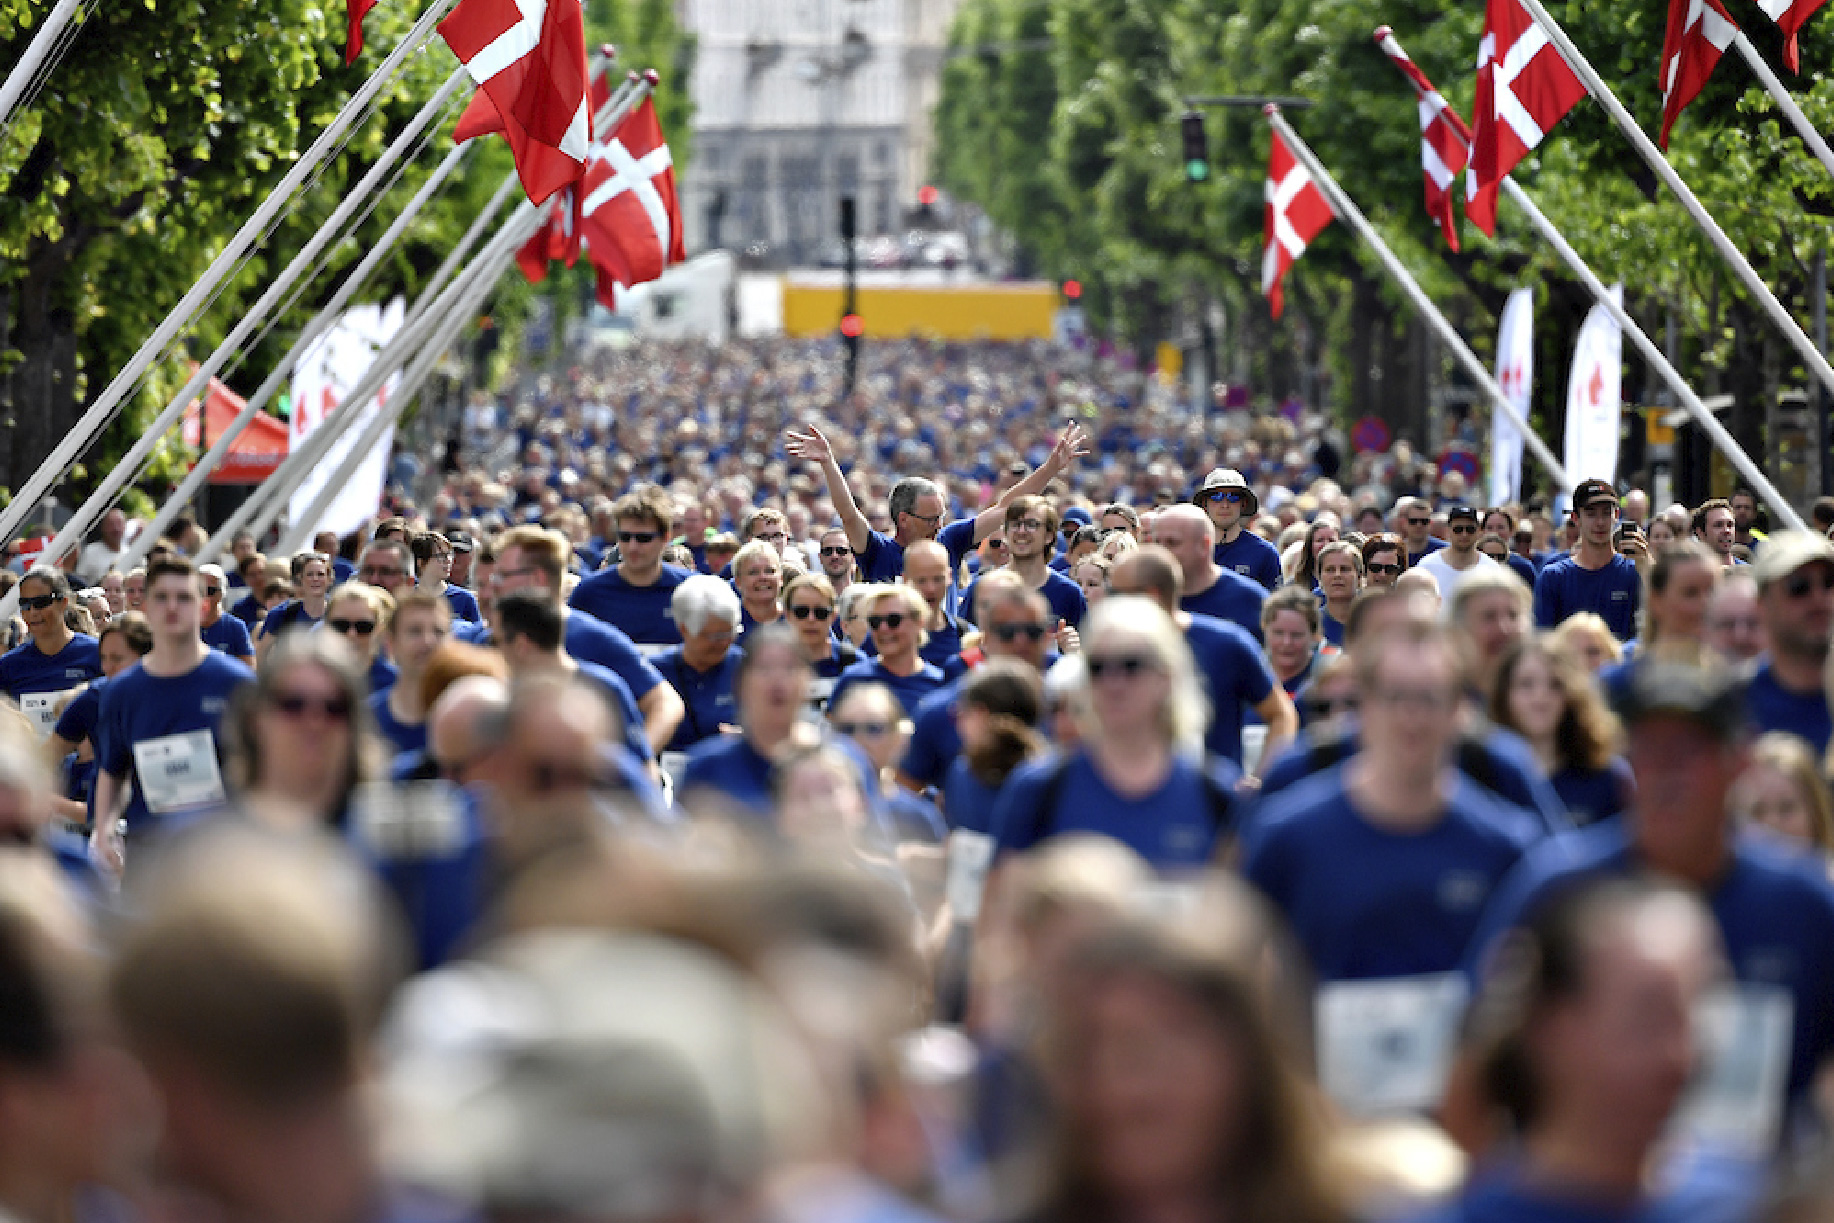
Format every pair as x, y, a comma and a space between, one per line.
529, 56
1790, 16
354, 13
1699, 31
629, 215
1296, 212
1523, 89
1445, 141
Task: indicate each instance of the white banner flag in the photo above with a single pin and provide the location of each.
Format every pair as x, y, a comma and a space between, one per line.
1515, 373
1595, 396
328, 371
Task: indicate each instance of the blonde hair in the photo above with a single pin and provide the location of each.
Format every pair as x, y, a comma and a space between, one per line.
751, 552
1561, 640
914, 605
1792, 756
1186, 712
379, 601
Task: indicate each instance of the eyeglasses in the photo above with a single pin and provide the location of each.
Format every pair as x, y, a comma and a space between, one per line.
1129, 665
771, 537
1384, 570
1799, 586
802, 611
1223, 496
383, 573
1025, 524
361, 628
854, 730
932, 519
1463, 529
297, 705
841, 551
39, 602
1010, 633
637, 537
889, 620
503, 575
1419, 522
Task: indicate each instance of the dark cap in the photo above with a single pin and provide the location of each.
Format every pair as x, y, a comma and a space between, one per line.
1713, 698
461, 541
1591, 492
1461, 511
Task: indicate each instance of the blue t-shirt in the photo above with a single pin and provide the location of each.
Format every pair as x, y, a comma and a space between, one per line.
945, 643
1770, 706
1432, 546
138, 708
909, 689
1525, 569
730, 766
1251, 557
342, 570
968, 802
1236, 679
1065, 597
883, 558
26, 669
591, 640
642, 612
247, 609
78, 721
935, 742
229, 635
1708, 1190
1774, 908
1615, 592
1231, 597
707, 695
618, 694
401, 736
1177, 825
291, 614
444, 885
382, 675
463, 603
1592, 795
1332, 628
913, 817
1367, 901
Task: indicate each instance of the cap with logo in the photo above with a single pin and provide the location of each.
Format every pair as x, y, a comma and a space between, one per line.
1224, 479
1593, 492
1461, 511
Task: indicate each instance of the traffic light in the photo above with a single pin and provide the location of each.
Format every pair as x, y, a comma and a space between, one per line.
853, 327
1196, 147
1072, 290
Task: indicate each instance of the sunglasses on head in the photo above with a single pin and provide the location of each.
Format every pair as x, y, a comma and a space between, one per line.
802, 611
38, 602
1129, 665
637, 537
1012, 632
889, 620
295, 705
362, 628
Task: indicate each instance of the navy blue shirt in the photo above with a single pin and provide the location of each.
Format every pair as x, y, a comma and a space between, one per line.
463, 603
1432, 546
139, 708
1231, 597
1367, 901
642, 612
1177, 825
592, 640
707, 695
1770, 706
1236, 677
934, 742
247, 609
382, 675
1065, 597
909, 689
229, 635
1614, 592
1525, 569
945, 643
291, 614
401, 736
1717, 1190
1250, 556
968, 802
1592, 795
28, 670
883, 558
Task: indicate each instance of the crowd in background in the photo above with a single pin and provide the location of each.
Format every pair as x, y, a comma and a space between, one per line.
1007, 794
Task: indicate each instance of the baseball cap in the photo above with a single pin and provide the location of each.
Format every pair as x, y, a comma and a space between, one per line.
1078, 515
1461, 511
1225, 478
1787, 551
1711, 697
461, 541
1591, 492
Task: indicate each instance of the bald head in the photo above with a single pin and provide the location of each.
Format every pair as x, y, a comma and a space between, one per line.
1151, 571
468, 721
1187, 533
926, 569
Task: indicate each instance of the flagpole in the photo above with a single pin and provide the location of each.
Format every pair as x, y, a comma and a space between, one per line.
129, 465
101, 412
1651, 353
36, 52
1785, 102
1345, 207
1735, 259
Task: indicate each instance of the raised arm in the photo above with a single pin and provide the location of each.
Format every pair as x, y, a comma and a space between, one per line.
1072, 444
813, 446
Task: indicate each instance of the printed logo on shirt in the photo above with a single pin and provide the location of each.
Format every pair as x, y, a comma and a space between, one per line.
1242, 569
1775, 964
1183, 839
213, 705
1462, 891
75, 673
1620, 596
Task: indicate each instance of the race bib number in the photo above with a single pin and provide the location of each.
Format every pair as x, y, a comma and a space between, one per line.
674, 764
418, 821
970, 854
1386, 1046
820, 689
42, 709
178, 771
650, 649
1736, 1102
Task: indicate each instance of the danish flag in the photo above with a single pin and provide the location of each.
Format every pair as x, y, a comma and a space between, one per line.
354, 13
1790, 16
1296, 212
629, 215
529, 57
1699, 31
1523, 89
1445, 141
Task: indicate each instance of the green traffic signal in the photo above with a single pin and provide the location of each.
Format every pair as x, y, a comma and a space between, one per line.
1196, 147
1197, 171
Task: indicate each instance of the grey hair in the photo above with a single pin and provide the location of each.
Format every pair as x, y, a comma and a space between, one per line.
701, 598
905, 493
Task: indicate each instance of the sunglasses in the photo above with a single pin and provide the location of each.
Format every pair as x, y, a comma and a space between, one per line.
802, 611
294, 705
1799, 586
211, 592
998, 545
841, 551
1385, 570
362, 628
1012, 632
1329, 708
637, 537
38, 602
856, 729
1225, 497
889, 620
1464, 529
1129, 665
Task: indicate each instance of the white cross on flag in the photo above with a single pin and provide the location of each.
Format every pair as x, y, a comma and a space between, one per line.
1699, 31
1296, 212
1523, 89
1445, 141
629, 215
529, 57
1790, 16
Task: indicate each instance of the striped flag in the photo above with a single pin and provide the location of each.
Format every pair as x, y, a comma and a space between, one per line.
1445, 141
1296, 212
1699, 31
1790, 16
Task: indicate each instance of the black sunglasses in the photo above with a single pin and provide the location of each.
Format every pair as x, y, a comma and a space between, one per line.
38, 602
637, 537
293, 705
889, 620
1328, 708
802, 611
211, 592
1385, 570
362, 628
1463, 529
1012, 632
1129, 665
1798, 586
842, 551
851, 729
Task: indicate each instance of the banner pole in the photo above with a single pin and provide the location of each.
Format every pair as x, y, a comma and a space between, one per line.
36, 52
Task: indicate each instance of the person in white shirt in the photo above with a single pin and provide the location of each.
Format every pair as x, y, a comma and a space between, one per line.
105, 553
1459, 559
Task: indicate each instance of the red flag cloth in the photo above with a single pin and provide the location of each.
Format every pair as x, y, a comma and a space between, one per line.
1699, 31
1445, 141
481, 117
354, 13
1790, 16
1523, 89
529, 56
629, 215
1296, 212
